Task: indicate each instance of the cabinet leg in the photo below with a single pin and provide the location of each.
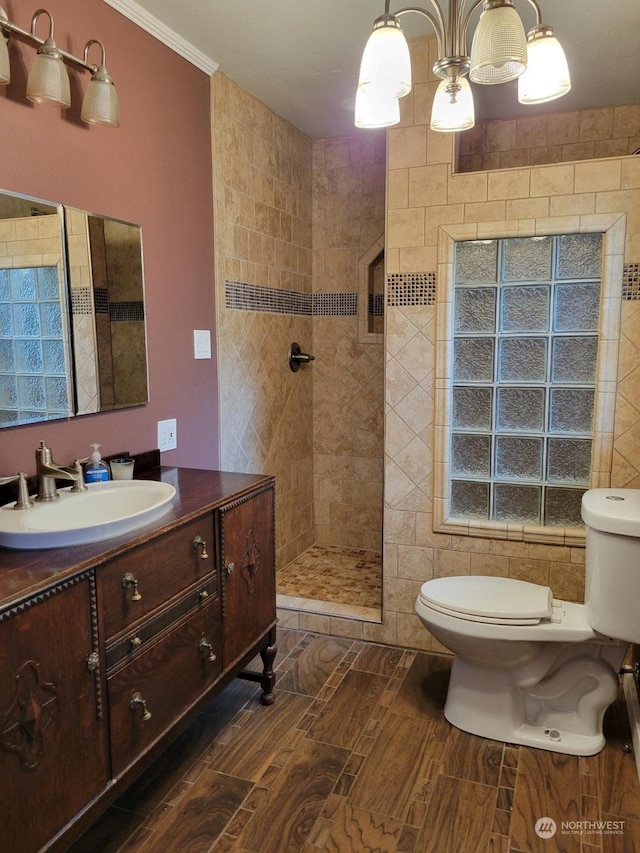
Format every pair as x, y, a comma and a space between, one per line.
268, 678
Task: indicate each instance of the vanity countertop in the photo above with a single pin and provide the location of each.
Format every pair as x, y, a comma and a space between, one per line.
24, 573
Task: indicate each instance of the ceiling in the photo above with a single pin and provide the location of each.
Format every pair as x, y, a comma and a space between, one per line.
301, 57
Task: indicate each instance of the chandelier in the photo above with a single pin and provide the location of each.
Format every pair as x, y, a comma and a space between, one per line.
501, 51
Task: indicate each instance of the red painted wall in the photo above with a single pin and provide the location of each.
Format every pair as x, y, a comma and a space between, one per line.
154, 170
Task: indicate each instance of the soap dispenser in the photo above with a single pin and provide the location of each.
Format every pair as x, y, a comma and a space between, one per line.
96, 470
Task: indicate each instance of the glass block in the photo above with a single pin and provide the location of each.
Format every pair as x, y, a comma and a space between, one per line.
472, 408
8, 392
8, 418
54, 357
22, 283
27, 416
522, 360
569, 461
475, 309
526, 259
579, 256
524, 309
477, 261
574, 359
31, 392
471, 455
562, 507
26, 320
518, 504
28, 356
577, 307
518, 458
48, 286
521, 409
469, 500
7, 361
4, 284
473, 360
56, 391
51, 319
571, 410
6, 323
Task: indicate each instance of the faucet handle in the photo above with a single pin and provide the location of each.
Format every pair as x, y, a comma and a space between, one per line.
79, 485
24, 501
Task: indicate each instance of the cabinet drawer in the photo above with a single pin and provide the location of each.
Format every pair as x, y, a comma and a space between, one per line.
160, 570
168, 677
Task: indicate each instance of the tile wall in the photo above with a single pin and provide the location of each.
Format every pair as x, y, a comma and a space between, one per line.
555, 138
424, 194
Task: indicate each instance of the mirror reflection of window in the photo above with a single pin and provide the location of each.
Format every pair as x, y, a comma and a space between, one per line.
35, 374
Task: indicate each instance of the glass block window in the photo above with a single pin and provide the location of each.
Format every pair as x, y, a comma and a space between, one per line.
34, 367
525, 346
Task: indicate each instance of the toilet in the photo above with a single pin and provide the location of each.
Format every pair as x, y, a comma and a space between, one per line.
533, 670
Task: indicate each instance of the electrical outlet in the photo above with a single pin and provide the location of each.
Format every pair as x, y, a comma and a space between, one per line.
167, 434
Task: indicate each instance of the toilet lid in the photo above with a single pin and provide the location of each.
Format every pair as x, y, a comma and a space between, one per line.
489, 599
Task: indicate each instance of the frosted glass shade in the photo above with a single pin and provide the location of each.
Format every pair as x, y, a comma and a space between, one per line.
386, 63
499, 47
547, 75
48, 81
5, 71
374, 110
100, 103
453, 111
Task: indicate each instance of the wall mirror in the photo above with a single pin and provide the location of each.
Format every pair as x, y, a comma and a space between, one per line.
72, 328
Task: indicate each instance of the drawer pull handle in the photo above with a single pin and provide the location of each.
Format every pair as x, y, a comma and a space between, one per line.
229, 568
137, 700
199, 542
206, 648
202, 595
129, 580
134, 642
93, 662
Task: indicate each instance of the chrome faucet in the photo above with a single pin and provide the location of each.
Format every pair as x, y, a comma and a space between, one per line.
47, 472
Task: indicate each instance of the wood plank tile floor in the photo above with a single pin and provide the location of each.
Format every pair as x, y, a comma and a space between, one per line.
355, 755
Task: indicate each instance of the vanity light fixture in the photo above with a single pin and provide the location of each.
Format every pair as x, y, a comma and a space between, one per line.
500, 51
48, 79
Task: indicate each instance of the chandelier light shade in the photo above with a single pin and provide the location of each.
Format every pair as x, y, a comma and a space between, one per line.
547, 76
499, 47
373, 112
386, 64
48, 78
453, 108
501, 51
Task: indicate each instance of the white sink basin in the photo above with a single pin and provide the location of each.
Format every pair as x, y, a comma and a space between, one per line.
103, 511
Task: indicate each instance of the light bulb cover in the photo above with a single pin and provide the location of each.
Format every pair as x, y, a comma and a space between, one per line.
100, 104
386, 62
547, 76
453, 109
499, 46
373, 110
48, 80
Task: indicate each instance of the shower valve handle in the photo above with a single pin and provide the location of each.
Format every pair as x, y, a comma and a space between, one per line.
297, 357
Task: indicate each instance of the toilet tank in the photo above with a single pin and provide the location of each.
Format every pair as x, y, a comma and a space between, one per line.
612, 581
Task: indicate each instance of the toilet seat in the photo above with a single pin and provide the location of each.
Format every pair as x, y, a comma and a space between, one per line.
492, 600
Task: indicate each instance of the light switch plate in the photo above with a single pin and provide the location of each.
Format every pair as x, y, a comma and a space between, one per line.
201, 343
168, 434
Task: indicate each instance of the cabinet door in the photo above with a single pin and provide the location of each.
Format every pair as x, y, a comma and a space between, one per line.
247, 552
53, 757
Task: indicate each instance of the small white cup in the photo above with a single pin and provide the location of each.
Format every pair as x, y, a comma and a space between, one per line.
122, 468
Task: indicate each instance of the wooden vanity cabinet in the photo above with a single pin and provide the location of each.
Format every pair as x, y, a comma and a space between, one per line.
53, 726
102, 669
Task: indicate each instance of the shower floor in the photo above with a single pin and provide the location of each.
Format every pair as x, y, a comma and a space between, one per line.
335, 580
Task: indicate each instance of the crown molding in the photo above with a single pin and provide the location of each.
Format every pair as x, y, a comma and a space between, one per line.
148, 22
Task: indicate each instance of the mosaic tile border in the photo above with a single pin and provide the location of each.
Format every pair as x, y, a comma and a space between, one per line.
631, 282
414, 288
81, 300
240, 296
130, 312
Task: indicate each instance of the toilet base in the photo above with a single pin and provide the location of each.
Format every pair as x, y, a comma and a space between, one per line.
561, 712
